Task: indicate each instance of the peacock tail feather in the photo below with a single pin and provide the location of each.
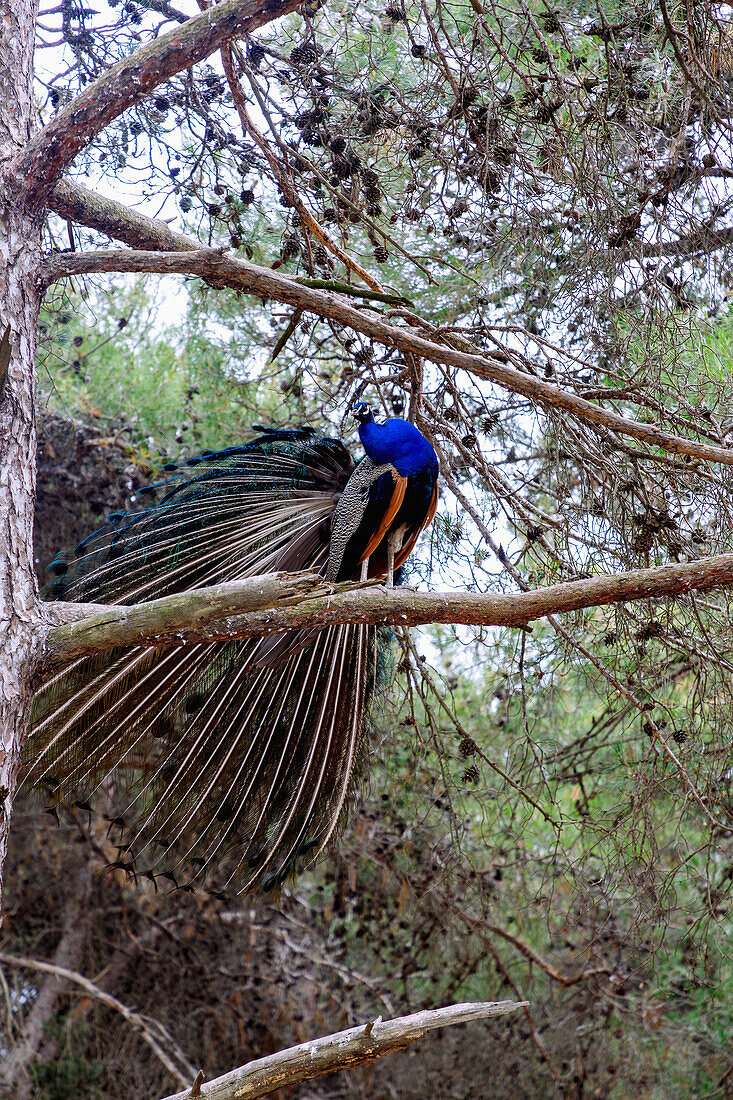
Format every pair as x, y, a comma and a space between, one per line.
225, 763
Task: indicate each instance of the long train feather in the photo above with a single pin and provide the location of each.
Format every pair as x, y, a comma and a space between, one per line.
228, 766
236, 759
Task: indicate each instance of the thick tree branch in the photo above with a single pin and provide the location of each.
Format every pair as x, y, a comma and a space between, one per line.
222, 270
54, 148
75, 203
342, 1050
171, 620
280, 602
78, 204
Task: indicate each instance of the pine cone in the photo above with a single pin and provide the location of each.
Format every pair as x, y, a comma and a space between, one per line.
305, 54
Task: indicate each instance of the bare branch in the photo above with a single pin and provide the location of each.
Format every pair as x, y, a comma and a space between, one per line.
551, 971
480, 927
54, 148
283, 178
165, 9
342, 1050
152, 1031
704, 240
67, 955
221, 270
279, 602
175, 619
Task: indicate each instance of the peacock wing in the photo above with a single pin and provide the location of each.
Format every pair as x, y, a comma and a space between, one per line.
368, 505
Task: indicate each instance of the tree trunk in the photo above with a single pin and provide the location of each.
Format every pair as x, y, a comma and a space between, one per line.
20, 251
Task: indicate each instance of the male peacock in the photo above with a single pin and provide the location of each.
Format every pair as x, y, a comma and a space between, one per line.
241, 756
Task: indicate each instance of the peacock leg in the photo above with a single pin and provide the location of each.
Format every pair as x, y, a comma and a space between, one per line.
395, 542
364, 570
390, 565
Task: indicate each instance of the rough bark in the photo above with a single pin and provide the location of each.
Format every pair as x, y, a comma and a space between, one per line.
75, 203
276, 602
29, 166
20, 250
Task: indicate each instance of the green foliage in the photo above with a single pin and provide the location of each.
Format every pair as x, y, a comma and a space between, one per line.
71, 1075
523, 813
546, 803
517, 789
174, 388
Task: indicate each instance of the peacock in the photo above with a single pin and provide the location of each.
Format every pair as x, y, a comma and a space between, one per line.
236, 759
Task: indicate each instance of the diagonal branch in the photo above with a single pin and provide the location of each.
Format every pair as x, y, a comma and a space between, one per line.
342, 1050
278, 602
165, 9
67, 956
75, 203
222, 270
53, 149
150, 1030
480, 927
283, 178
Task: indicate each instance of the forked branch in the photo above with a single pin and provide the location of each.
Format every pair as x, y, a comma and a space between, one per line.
151, 1031
52, 150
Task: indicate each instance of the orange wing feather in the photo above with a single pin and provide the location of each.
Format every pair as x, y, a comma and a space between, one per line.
406, 550
395, 504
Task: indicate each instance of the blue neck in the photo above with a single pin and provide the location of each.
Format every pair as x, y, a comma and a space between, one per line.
399, 443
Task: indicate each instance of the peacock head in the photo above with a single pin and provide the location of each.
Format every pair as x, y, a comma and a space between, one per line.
395, 442
363, 413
